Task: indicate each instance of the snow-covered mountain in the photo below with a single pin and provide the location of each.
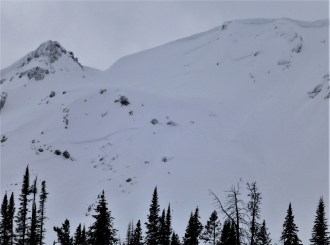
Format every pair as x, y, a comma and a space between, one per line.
246, 101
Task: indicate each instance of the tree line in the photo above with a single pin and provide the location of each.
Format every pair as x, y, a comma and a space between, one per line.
23, 228
241, 224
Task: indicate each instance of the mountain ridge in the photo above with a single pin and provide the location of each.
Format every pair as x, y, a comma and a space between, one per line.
232, 105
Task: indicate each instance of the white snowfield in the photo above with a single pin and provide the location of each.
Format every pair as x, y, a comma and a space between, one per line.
246, 101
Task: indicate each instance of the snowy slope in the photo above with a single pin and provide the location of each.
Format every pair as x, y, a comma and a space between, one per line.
247, 101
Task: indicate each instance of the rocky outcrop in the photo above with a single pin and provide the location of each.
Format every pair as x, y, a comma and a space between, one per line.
37, 73
3, 98
52, 50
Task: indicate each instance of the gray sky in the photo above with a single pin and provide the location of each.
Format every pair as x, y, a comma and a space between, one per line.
100, 32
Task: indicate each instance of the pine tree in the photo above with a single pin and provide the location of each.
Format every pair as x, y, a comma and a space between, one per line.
197, 224
193, 230
34, 189
289, 234
320, 235
228, 233
263, 237
80, 236
225, 232
77, 236
232, 234
33, 235
84, 236
137, 238
11, 213
4, 232
63, 233
175, 240
152, 224
21, 218
162, 229
168, 225
187, 239
129, 233
253, 207
212, 229
165, 228
42, 213
102, 231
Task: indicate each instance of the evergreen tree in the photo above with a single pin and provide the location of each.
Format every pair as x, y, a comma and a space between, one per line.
21, 218
225, 232
212, 229
289, 234
263, 238
319, 233
152, 224
193, 230
187, 239
80, 236
175, 240
34, 189
253, 207
4, 232
162, 233
63, 233
84, 236
232, 233
11, 213
228, 234
168, 225
33, 235
42, 213
102, 231
129, 233
137, 238
77, 236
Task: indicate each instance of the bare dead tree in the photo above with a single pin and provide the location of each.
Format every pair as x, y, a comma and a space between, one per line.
253, 207
235, 210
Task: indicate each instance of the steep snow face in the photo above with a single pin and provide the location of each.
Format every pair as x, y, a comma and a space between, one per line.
246, 101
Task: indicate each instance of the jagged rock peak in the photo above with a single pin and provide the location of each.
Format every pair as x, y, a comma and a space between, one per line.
50, 49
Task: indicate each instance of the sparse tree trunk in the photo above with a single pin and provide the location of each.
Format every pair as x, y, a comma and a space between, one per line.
237, 219
235, 210
254, 209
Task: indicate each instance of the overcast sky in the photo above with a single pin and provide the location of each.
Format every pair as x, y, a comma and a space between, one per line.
99, 33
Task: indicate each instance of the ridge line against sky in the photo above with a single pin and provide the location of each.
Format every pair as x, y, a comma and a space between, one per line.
99, 33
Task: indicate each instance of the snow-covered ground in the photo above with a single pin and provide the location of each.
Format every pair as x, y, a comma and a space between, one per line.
243, 102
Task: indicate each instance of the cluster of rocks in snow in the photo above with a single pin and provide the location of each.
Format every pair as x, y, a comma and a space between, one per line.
326, 79
3, 98
319, 87
315, 91
4, 138
37, 73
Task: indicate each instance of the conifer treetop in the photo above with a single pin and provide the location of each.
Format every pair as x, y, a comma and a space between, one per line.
320, 235
290, 230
